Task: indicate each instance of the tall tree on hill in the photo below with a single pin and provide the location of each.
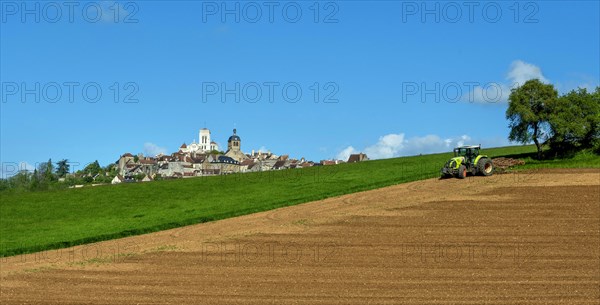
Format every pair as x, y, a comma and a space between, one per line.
62, 168
528, 113
46, 171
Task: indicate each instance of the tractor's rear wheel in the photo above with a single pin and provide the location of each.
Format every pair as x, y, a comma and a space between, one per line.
462, 172
485, 167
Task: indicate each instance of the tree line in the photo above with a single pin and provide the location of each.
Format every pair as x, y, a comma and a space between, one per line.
50, 176
565, 124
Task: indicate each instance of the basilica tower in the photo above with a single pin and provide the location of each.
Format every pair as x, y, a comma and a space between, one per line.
204, 139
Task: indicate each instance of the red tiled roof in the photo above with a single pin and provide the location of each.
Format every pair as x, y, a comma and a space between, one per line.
246, 162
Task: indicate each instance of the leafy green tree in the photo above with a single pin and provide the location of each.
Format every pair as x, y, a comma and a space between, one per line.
46, 171
136, 159
528, 114
42, 176
62, 168
93, 168
575, 120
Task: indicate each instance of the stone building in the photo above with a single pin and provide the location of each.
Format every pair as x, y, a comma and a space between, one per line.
357, 158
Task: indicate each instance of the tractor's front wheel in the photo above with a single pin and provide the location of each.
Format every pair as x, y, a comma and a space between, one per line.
462, 172
485, 167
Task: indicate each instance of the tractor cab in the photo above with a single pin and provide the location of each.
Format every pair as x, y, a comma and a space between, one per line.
468, 152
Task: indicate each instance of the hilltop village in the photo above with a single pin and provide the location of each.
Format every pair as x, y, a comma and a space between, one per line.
205, 159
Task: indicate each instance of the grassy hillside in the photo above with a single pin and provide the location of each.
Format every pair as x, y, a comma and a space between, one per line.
47, 220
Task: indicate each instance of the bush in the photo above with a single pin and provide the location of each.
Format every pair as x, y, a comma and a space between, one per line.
562, 149
4, 185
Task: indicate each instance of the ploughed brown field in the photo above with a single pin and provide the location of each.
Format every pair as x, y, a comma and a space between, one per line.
526, 238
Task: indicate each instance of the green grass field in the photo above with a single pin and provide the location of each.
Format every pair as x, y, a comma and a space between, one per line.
37, 221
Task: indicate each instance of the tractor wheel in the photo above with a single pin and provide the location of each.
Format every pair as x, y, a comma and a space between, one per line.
485, 167
462, 172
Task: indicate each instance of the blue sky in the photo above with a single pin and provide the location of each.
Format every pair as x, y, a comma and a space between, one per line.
370, 59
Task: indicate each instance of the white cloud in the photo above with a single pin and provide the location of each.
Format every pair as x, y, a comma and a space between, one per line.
388, 146
498, 92
432, 144
520, 72
151, 149
397, 145
345, 153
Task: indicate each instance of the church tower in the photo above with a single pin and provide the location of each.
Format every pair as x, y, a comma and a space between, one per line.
234, 148
204, 139
234, 142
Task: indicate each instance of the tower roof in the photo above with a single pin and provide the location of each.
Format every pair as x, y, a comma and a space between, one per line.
234, 137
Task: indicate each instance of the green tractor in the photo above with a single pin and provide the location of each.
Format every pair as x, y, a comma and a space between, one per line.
467, 160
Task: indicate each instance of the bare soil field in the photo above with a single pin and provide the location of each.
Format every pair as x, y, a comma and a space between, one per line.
525, 238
